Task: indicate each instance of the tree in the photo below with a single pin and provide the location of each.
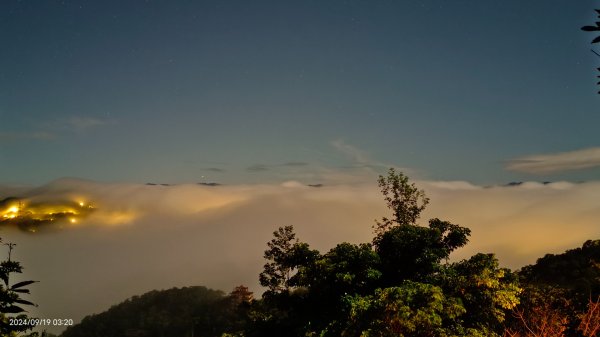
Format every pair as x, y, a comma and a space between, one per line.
277, 271
399, 285
283, 308
543, 312
410, 252
241, 294
345, 269
409, 309
488, 292
322, 284
589, 324
11, 303
405, 200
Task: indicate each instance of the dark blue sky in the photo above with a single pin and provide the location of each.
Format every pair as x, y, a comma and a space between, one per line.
258, 91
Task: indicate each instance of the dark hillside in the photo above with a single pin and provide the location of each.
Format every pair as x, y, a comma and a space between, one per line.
576, 270
164, 313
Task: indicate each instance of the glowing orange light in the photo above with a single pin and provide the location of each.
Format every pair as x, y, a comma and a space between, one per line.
73, 220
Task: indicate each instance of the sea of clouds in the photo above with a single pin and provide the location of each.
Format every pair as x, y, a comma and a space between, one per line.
144, 237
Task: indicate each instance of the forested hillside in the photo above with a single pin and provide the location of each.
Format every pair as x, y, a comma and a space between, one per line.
167, 313
576, 270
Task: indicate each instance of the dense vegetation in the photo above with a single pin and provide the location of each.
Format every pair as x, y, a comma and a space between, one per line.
561, 295
577, 270
400, 284
174, 312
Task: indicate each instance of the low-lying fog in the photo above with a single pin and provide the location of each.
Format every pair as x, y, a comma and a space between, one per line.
142, 237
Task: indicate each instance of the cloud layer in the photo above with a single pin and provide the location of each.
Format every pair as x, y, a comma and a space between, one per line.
557, 162
143, 237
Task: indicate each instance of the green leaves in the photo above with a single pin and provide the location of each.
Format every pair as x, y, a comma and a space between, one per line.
415, 252
400, 285
487, 291
285, 255
405, 201
345, 269
277, 271
409, 309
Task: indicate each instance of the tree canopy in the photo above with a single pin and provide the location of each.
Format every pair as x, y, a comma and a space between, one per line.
400, 284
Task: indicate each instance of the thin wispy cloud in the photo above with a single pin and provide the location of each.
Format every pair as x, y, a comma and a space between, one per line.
36, 135
54, 129
81, 124
362, 160
355, 154
556, 162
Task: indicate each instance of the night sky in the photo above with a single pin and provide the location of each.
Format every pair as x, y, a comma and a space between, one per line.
268, 91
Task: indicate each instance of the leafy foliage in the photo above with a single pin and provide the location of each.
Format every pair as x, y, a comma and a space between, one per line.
405, 200
284, 254
400, 285
12, 304
410, 309
595, 28
487, 291
415, 252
